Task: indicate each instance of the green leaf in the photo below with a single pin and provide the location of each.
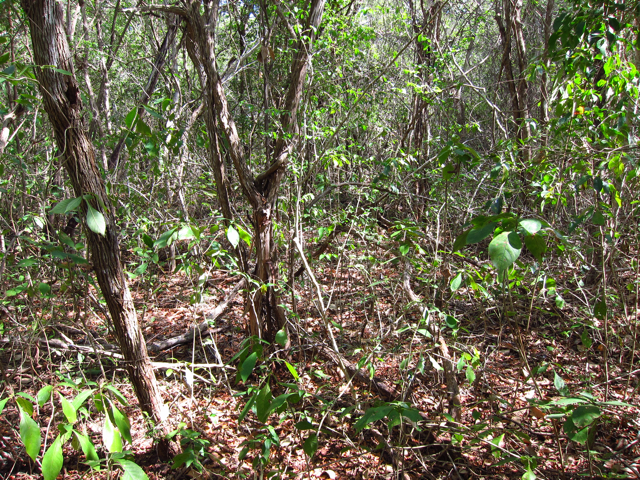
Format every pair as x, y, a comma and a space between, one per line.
559, 382
233, 236
304, 425
3, 402
537, 245
132, 471
148, 241
247, 366
186, 233
292, 370
451, 322
52, 460
281, 337
122, 422
600, 309
503, 252
584, 415
44, 394
30, 434
580, 436
456, 282
529, 475
68, 409
66, 206
244, 235
143, 128
279, 401
478, 234
25, 404
372, 415
247, 407
460, 241
311, 445
153, 112
87, 447
471, 375
131, 117
448, 171
166, 239
598, 218
60, 70
44, 288
496, 441
82, 397
95, 221
263, 402
110, 436
531, 225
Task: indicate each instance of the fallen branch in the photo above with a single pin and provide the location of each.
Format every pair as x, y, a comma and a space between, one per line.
201, 328
375, 384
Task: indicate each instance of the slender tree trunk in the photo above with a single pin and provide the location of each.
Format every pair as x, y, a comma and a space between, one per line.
544, 94
517, 84
61, 96
158, 65
266, 316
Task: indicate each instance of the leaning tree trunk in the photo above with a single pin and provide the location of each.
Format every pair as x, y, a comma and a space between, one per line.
62, 103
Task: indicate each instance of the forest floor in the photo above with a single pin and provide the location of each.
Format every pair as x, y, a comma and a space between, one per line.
506, 419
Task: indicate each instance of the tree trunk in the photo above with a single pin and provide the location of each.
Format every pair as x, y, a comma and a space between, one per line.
266, 316
61, 96
517, 84
158, 66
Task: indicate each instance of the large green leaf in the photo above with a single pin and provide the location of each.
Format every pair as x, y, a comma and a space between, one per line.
131, 117
87, 447
531, 225
504, 250
478, 234
247, 366
584, 415
122, 422
537, 245
132, 471
263, 402
68, 409
233, 236
30, 434
65, 206
44, 394
95, 221
52, 460
82, 397
281, 337
111, 436
372, 415
311, 445
244, 235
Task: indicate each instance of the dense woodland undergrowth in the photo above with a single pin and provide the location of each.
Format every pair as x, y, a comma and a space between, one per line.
366, 238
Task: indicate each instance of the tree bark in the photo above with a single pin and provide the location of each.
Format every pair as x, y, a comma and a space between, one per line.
61, 96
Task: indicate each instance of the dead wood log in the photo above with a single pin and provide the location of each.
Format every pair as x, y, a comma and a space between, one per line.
202, 327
